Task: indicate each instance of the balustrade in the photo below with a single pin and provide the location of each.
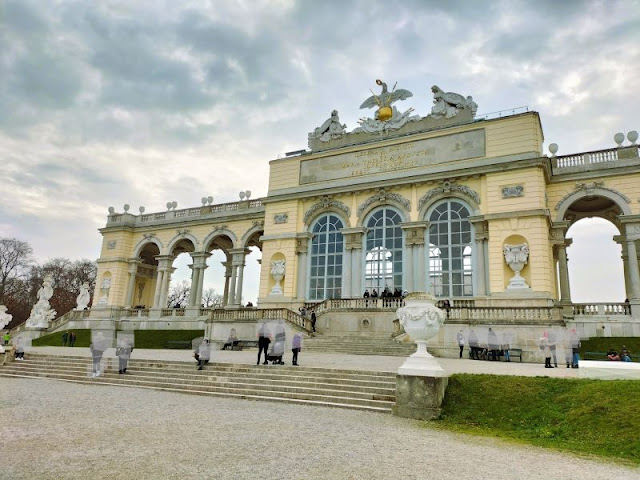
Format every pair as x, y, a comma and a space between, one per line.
601, 309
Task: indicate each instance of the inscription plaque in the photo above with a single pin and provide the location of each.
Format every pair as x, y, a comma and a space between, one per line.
407, 156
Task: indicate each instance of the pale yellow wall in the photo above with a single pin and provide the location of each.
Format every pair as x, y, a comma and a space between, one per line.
533, 181
285, 173
514, 135
538, 272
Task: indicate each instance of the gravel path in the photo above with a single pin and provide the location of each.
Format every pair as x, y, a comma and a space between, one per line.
58, 430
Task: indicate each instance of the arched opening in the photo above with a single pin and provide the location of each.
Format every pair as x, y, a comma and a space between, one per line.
596, 272
450, 266
143, 291
253, 266
180, 284
326, 255
216, 284
383, 251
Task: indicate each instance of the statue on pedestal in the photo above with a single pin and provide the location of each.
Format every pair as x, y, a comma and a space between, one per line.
42, 314
330, 129
5, 317
447, 104
278, 269
386, 117
84, 297
516, 257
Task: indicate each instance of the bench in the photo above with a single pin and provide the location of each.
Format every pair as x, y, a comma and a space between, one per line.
515, 352
595, 356
180, 344
245, 344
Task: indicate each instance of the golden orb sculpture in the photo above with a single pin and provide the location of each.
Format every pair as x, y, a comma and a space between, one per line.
384, 113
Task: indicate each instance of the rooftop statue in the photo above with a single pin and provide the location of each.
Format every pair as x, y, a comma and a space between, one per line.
42, 312
330, 129
384, 100
447, 104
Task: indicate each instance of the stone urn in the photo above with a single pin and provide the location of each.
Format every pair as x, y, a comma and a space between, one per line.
516, 257
421, 320
278, 269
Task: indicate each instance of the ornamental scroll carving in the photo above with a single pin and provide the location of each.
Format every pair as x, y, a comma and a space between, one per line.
589, 189
448, 186
384, 196
512, 192
325, 204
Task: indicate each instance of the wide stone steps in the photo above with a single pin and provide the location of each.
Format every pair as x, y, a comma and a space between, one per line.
373, 391
359, 346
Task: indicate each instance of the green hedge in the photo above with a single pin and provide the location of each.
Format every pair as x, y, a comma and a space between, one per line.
580, 415
143, 338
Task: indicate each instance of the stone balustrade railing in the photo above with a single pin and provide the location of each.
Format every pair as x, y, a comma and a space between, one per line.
257, 315
505, 315
186, 213
569, 163
601, 309
390, 303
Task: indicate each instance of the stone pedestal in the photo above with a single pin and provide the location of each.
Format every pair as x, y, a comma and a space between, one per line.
419, 397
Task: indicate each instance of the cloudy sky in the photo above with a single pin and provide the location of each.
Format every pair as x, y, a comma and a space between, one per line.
142, 102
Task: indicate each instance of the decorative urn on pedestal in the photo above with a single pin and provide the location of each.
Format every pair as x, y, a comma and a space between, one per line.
421, 320
516, 257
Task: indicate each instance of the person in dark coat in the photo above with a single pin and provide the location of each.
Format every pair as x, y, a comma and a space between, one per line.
65, 336
296, 346
123, 352
264, 339
313, 321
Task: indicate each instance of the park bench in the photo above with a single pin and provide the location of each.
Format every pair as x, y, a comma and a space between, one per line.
515, 352
595, 356
245, 344
179, 344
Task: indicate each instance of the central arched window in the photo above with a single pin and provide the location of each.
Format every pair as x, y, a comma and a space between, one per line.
383, 260
450, 268
327, 245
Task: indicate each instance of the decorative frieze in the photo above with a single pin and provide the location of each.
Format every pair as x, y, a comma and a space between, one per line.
325, 203
111, 244
384, 196
513, 191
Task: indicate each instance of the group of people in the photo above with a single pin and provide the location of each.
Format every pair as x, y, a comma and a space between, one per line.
623, 356
386, 293
70, 337
99, 344
275, 352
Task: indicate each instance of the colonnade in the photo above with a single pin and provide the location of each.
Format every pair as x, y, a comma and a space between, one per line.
234, 278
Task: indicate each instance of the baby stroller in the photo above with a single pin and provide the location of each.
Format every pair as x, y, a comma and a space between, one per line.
275, 353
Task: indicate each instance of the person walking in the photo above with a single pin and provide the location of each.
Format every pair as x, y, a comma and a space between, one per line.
97, 348
123, 353
460, 339
204, 353
296, 346
313, 321
65, 336
264, 339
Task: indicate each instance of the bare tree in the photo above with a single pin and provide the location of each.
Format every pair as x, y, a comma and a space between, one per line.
211, 299
179, 294
15, 259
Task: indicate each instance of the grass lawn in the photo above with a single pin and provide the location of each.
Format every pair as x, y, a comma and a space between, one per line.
143, 338
582, 416
603, 344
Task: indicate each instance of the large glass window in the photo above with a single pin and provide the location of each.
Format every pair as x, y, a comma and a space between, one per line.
450, 269
383, 260
327, 245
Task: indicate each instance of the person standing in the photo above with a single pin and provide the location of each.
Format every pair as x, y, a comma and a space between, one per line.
460, 339
72, 339
492, 344
552, 346
313, 321
473, 345
544, 346
264, 339
278, 346
296, 346
65, 336
575, 348
7, 338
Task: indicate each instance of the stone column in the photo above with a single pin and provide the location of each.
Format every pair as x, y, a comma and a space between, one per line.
634, 271
481, 229
197, 282
237, 261
563, 267
302, 248
164, 276
353, 238
131, 284
227, 276
414, 243
240, 258
619, 239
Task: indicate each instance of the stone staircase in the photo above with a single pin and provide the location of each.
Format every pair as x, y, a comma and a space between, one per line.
353, 389
381, 344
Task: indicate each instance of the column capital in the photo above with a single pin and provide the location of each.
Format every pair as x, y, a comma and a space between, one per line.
302, 242
353, 237
164, 261
414, 232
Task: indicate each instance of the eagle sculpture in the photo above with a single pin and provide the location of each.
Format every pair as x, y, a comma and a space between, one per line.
386, 97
